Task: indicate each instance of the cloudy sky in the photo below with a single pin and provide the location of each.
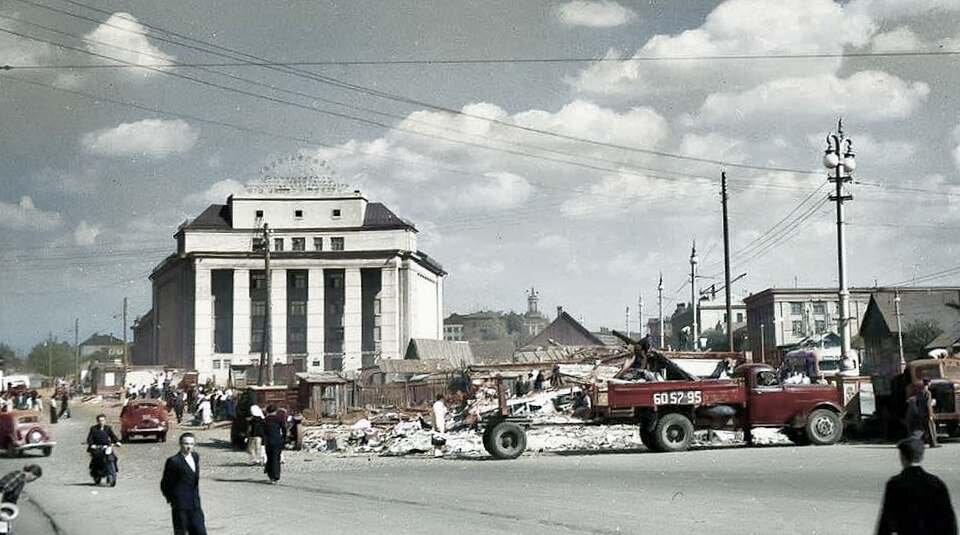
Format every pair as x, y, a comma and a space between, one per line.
582, 178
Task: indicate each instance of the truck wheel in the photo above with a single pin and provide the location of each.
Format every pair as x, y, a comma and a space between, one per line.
824, 427
674, 432
487, 432
507, 441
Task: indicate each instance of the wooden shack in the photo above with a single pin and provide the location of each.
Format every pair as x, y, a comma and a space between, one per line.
324, 395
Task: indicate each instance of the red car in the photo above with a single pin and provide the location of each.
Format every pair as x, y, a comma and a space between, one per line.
144, 418
21, 431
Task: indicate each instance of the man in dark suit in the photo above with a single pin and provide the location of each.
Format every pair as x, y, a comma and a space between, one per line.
916, 502
274, 437
181, 487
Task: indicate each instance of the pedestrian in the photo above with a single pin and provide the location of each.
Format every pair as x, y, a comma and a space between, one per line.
206, 412
64, 404
181, 488
53, 410
11, 485
915, 501
274, 437
255, 435
919, 417
178, 401
439, 425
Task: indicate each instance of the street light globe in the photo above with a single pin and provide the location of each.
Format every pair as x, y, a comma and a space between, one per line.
831, 159
849, 162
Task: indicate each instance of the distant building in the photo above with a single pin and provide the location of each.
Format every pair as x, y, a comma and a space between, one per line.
533, 320
104, 344
711, 315
563, 331
653, 328
349, 285
141, 352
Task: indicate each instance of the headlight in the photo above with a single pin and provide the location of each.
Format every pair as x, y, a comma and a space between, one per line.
36, 437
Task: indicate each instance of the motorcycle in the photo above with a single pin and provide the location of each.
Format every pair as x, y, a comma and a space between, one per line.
103, 465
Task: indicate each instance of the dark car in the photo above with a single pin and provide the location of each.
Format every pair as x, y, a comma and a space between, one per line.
144, 418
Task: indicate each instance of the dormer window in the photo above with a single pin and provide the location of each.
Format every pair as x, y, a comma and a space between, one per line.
298, 214
336, 213
259, 216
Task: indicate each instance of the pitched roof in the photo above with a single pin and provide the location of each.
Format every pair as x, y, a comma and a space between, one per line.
929, 305
216, 216
455, 353
97, 339
564, 331
378, 216
499, 350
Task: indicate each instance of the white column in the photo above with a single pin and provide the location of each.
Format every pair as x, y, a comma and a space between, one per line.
202, 322
405, 296
315, 313
390, 313
241, 316
439, 309
352, 334
278, 314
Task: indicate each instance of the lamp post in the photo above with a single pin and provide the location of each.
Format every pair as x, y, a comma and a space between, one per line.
660, 307
694, 295
841, 168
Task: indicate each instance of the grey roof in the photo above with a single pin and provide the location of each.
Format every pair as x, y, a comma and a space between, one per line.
376, 217
321, 378
415, 366
215, 217
98, 339
609, 339
564, 331
930, 305
499, 350
456, 353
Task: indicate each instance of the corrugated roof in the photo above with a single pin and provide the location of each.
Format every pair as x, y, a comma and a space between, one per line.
457, 354
499, 350
564, 331
102, 340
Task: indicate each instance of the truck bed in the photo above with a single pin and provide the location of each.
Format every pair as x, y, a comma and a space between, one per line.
707, 392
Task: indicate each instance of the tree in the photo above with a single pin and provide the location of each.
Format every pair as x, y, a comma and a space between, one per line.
53, 358
514, 322
8, 356
916, 336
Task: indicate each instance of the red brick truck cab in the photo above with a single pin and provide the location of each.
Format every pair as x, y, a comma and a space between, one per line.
669, 412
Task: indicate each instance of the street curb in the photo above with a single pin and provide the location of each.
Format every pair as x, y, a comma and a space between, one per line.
53, 523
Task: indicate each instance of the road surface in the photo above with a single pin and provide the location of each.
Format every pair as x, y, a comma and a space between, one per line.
740, 491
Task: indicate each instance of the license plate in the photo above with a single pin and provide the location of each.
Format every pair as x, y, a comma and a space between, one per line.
682, 397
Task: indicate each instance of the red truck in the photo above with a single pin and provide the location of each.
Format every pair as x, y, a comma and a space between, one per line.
668, 412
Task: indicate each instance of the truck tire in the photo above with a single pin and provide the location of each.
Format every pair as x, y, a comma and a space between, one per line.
507, 440
673, 432
824, 427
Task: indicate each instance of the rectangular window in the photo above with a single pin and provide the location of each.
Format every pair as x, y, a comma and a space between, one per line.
317, 364
797, 328
318, 244
796, 309
298, 308
256, 340
336, 309
739, 317
821, 326
258, 280
278, 244
226, 363
376, 334
335, 282
298, 244
296, 337
216, 364
336, 213
258, 308
257, 245
336, 244
820, 308
376, 306
298, 214
259, 214
299, 280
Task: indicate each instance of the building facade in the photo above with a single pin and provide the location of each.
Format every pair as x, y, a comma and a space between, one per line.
348, 285
104, 344
711, 315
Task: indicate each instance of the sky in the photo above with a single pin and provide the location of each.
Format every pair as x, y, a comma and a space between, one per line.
585, 179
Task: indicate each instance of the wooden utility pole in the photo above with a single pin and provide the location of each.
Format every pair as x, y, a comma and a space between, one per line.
76, 346
126, 362
726, 259
266, 354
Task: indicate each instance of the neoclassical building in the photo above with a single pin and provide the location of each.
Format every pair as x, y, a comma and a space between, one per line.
348, 285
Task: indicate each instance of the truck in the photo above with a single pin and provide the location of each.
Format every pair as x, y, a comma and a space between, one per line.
944, 377
668, 412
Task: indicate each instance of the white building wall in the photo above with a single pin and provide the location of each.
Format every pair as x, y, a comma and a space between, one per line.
352, 317
390, 313
281, 212
278, 314
241, 317
425, 318
315, 314
203, 319
353, 240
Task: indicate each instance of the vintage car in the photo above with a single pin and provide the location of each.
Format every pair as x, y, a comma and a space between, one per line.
144, 418
944, 376
21, 431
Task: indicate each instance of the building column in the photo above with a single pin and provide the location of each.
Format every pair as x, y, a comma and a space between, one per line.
316, 305
352, 320
439, 305
241, 316
278, 314
390, 313
203, 322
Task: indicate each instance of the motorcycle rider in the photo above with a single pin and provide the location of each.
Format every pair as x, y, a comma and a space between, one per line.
102, 434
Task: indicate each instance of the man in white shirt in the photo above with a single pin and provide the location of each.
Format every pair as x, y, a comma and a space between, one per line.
439, 425
181, 488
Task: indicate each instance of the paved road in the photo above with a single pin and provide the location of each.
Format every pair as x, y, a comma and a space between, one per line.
734, 490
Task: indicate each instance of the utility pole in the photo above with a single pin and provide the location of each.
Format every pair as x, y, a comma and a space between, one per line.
640, 315
125, 361
694, 296
76, 346
763, 342
842, 168
627, 322
266, 353
896, 301
660, 307
726, 259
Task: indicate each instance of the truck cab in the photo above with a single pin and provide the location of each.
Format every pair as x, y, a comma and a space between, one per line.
944, 376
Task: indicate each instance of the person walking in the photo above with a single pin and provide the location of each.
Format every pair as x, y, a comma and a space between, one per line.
915, 501
439, 425
274, 437
64, 405
206, 412
180, 486
255, 435
178, 401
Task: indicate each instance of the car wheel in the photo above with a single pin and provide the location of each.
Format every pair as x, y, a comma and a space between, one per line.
824, 427
507, 440
674, 432
953, 429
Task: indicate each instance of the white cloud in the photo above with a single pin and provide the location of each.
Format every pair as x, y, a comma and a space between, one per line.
86, 234
217, 193
615, 194
553, 242
16, 50
501, 190
713, 146
123, 38
735, 27
865, 97
600, 14
897, 40
890, 9
150, 138
26, 216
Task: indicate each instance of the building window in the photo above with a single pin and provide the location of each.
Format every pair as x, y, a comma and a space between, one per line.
821, 326
336, 282
256, 340
318, 244
258, 281
796, 309
226, 364
257, 245
376, 334
336, 244
739, 317
278, 244
259, 214
336, 309
298, 244
258, 308
317, 364
376, 306
298, 214
299, 280
820, 308
297, 336
216, 364
336, 213
298, 308
797, 328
